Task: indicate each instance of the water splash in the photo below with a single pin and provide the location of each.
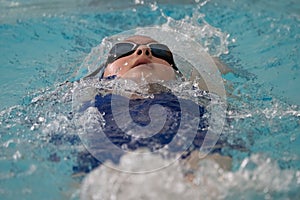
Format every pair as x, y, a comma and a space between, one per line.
208, 181
214, 41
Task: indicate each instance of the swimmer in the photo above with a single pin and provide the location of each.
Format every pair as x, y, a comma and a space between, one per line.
142, 58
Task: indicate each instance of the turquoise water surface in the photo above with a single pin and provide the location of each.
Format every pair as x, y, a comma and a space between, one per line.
43, 44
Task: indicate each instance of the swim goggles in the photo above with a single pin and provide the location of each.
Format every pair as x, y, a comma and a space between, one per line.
123, 49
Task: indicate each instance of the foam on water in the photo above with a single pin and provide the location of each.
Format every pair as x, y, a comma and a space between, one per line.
253, 180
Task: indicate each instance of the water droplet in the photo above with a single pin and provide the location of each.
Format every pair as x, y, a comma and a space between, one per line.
41, 119
293, 137
17, 155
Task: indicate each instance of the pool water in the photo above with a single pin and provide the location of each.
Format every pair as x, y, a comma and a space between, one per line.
43, 44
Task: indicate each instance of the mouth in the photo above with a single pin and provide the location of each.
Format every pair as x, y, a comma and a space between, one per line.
140, 62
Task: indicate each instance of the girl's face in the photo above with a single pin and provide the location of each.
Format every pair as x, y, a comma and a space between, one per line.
141, 64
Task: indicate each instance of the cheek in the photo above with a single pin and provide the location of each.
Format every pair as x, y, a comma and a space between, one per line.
160, 61
165, 73
114, 68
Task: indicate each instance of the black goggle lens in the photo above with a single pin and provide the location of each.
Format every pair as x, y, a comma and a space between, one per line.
163, 52
120, 50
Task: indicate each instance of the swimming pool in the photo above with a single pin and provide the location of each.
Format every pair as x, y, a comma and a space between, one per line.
43, 44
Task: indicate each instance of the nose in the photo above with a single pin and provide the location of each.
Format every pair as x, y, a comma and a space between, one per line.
143, 50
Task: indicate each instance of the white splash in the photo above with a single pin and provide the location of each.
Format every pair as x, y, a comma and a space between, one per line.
258, 177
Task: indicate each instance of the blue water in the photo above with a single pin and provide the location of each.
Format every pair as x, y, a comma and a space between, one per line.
43, 44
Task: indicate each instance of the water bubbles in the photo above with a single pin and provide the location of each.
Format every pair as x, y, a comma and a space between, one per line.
153, 6
14, 4
17, 155
293, 137
34, 126
298, 177
8, 143
41, 119
36, 99
141, 2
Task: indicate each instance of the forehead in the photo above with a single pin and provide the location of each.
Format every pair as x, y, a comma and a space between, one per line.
138, 39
